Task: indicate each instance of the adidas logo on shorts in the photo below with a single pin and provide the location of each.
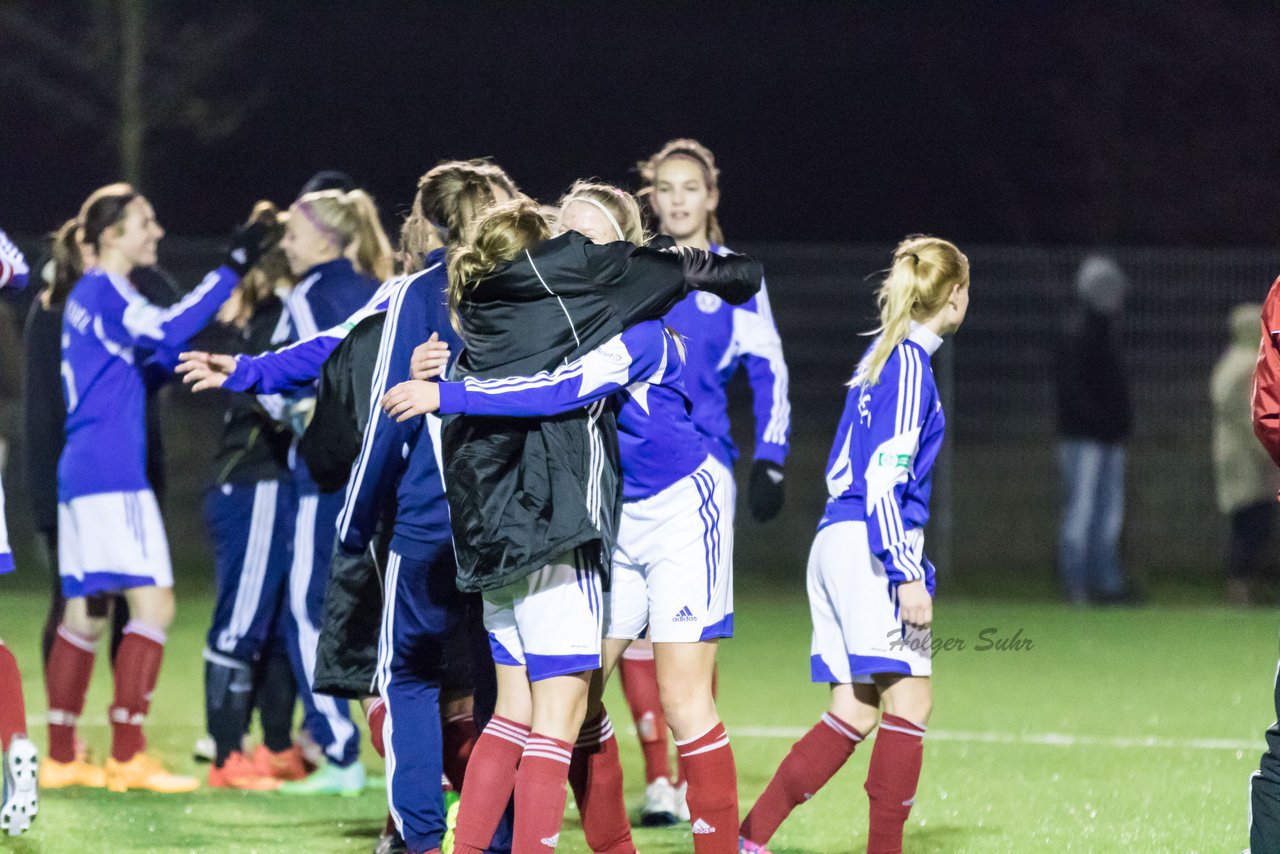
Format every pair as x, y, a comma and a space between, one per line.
700, 826
685, 616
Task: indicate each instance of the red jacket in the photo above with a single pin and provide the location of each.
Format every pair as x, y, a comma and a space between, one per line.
1266, 377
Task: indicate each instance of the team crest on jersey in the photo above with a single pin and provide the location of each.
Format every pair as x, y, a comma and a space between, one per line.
707, 303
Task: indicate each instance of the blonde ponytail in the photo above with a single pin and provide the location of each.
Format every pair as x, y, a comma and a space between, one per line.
351, 221
501, 233
924, 273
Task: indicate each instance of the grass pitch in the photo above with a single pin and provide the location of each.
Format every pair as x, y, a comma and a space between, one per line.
1054, 730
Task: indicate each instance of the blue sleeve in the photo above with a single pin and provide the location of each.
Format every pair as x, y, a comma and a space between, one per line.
639, 353
895, 408
382, 457
157, 328
760, 349
13, 266
298, 365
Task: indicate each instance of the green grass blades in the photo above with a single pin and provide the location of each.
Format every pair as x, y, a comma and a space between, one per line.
1054, 729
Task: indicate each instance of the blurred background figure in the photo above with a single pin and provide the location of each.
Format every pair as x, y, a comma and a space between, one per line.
1095, 419
1245, 477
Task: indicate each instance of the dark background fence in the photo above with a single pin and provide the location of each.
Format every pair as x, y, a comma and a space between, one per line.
996, 508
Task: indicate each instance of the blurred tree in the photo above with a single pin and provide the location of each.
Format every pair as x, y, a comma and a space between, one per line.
131, 69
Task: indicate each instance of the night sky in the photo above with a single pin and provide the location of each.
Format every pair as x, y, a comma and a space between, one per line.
1030, 123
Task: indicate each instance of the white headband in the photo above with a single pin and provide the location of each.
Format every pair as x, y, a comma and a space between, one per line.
586, 200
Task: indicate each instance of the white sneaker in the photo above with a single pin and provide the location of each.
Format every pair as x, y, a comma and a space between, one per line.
682, 801
660, 807
21, 799
204, 749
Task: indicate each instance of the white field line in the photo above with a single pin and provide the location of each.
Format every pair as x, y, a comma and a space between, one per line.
1043, 739
1046, 739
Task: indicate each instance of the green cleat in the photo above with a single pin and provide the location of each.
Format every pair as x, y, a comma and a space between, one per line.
328, 780
451, 801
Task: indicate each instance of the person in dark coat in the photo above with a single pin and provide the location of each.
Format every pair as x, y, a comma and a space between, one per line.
1095, 420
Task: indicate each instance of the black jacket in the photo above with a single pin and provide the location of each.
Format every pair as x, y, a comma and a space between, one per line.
332, 441
254, 445
525, 491
1092, 387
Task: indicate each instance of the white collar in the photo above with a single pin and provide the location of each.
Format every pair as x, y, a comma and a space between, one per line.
925, 337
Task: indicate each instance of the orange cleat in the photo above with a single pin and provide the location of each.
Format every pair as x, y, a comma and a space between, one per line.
238, 772
285, 765
146, 773
77, 772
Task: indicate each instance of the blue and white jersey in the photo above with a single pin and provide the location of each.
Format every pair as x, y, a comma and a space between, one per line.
402, 457
657, 438
720, 338
881, 466
111, 335
317, 323
13, 266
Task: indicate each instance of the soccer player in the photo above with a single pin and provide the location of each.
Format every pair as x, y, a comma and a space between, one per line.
1264, 784
682, 185
870, 585
250, 511
110, 534
544, 628
19, 800
423, 608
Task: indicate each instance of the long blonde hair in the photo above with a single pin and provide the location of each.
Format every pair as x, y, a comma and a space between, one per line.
502, 232
924, 273
693, 150
351, 221
621, 208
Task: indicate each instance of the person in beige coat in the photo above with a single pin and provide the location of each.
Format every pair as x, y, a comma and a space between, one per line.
1245, 477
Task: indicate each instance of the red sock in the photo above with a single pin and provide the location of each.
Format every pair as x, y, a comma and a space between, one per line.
491, 778
376, 717
458, 733
540, 794
66, 682
713, 791
813, 760
891, 781
640, 687
13, 713
595, 774
137, 668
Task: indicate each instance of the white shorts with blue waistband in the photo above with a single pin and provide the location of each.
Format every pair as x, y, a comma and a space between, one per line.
112, 541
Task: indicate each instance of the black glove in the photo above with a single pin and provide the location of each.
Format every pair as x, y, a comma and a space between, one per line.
733, 278
250, 242
765, 492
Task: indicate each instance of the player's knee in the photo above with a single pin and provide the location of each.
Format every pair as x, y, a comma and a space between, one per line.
690, 709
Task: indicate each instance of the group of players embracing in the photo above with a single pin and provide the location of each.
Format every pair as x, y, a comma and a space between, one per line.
466, 494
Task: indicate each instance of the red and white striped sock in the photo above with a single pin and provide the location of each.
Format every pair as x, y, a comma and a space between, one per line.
713, 791
891, 781
813, 760
540, 793
66, 683
136, 670
491, 778
640, 687
458, 734
13, 713
595, 774
377, 719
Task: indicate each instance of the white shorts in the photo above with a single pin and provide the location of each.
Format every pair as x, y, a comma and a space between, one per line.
856, 630
112, 541
673, 564
549, 621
